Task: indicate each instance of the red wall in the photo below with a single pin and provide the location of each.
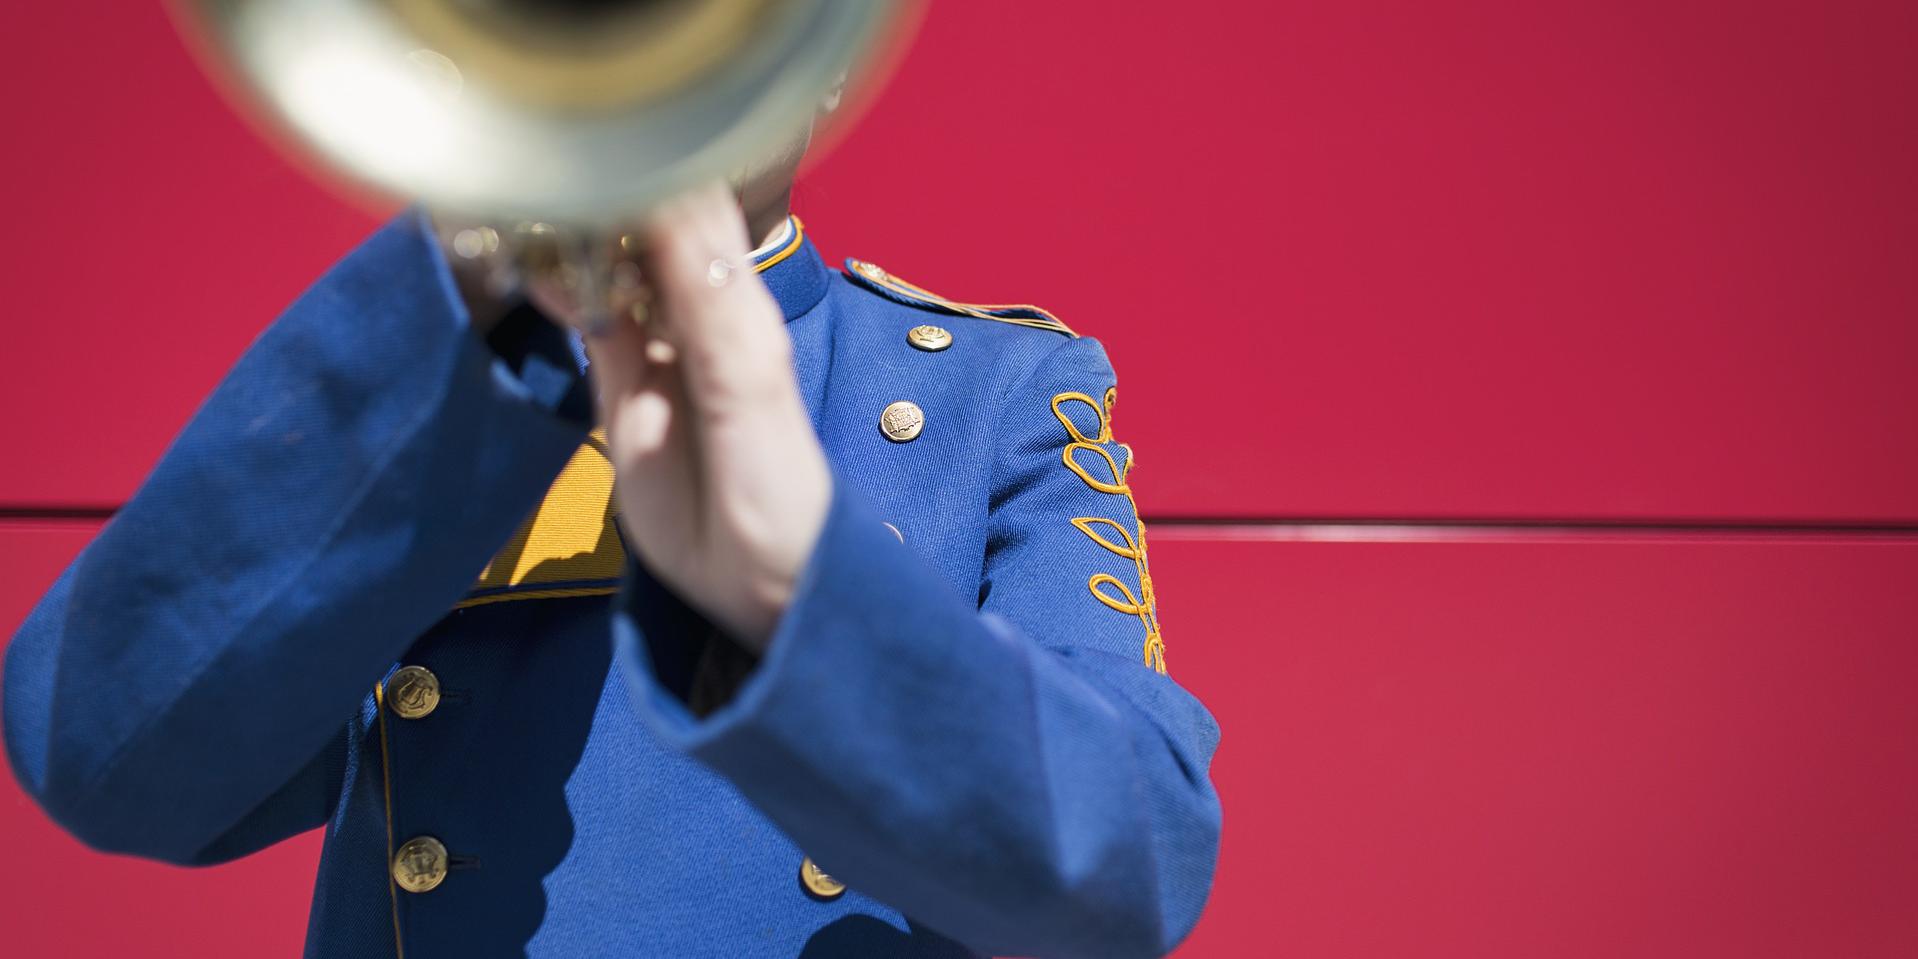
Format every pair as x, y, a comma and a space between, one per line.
1542, 266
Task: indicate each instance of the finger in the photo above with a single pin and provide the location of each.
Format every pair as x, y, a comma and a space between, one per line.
651, 434
619, 363
698, 256
642, 406
648, 424
714, 304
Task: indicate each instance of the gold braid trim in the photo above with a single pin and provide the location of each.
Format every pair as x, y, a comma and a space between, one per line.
872, 274
1110, 534
386, 800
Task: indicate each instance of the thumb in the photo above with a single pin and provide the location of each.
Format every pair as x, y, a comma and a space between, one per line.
640, 398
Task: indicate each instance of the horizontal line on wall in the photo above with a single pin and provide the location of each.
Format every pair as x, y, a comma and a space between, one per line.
1409, 529
96, 514
1296, 529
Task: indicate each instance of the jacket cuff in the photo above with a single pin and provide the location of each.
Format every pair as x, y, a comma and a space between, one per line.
860, 592
533, 359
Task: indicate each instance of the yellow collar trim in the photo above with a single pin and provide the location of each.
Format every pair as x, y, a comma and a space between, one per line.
792, 246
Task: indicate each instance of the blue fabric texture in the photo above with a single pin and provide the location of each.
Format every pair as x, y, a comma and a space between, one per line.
961, 722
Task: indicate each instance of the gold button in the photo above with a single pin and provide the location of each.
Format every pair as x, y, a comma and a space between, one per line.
896, 532
413, 692
902, 421
420, 865
930, 338
818, 883
870, 271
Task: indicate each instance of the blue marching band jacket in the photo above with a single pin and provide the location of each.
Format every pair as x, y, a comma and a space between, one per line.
377, 585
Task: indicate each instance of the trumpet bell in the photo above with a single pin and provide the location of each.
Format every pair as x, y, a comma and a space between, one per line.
580, 112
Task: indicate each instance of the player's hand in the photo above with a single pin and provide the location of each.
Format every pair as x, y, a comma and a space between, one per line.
722, 485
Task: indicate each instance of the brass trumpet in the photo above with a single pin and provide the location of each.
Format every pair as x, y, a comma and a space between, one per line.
540, 124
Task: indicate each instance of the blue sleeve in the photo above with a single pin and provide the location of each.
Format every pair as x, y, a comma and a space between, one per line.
180, 693
1015, 772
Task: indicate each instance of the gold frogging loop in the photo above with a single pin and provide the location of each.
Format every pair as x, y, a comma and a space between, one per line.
1106, 588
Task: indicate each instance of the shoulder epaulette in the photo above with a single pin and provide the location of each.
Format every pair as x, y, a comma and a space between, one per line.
870, 276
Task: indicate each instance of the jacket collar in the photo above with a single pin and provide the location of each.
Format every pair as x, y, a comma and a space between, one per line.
792, 270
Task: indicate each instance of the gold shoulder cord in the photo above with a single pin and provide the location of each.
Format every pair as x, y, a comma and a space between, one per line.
1106, 588
877, 276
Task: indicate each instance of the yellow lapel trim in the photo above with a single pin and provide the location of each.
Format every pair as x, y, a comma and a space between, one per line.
570, 546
